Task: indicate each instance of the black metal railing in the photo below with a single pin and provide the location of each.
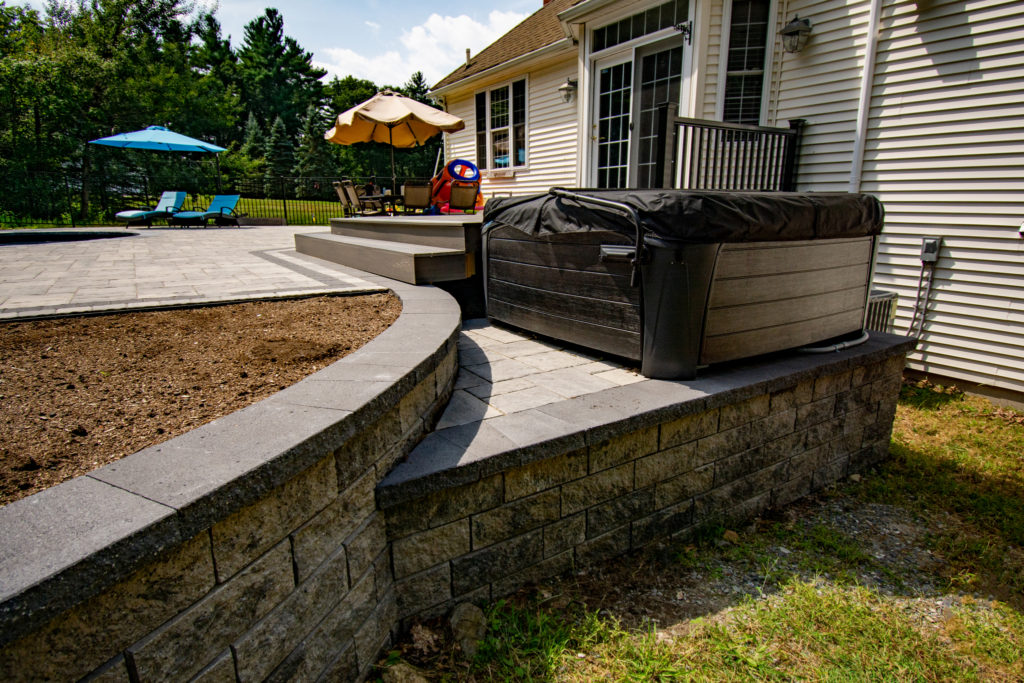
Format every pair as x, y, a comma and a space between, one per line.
65, 200
711, 155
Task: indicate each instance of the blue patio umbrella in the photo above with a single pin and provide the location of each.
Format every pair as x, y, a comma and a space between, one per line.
160, 139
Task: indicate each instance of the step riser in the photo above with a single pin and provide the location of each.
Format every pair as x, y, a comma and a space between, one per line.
450, 236
416, 269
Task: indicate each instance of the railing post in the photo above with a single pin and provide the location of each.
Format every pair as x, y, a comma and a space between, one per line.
792, 151
71, 205
664, 169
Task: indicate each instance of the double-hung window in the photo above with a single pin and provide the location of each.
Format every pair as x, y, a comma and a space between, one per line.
744, 80
501, 126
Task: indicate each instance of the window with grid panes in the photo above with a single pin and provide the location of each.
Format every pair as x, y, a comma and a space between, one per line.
748, 36
501, 126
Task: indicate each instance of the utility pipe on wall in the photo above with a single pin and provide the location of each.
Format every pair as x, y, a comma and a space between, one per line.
867, 80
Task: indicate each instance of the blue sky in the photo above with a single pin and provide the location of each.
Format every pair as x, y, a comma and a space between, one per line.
384, 41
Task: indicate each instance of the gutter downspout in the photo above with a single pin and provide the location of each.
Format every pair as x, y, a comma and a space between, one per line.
864, 104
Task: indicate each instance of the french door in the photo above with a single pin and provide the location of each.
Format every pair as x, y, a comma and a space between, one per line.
627, 94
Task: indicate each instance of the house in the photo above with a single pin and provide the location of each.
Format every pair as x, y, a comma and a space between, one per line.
919, 103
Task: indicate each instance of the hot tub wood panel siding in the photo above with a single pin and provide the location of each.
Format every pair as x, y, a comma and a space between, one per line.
770, 296
559, 286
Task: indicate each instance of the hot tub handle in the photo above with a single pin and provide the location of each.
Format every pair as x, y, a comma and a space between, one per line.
638, 247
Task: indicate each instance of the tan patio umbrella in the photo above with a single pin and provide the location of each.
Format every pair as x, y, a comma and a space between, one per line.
393, 119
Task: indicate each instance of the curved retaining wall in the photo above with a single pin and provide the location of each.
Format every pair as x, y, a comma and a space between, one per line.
248, 547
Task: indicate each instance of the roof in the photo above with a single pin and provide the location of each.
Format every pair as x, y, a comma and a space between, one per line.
538, 30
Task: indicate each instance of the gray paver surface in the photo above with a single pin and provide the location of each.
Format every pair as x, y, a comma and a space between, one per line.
162, 267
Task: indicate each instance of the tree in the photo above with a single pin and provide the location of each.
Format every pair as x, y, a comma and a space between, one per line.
314, 157
279, 153
252, 143
276, 76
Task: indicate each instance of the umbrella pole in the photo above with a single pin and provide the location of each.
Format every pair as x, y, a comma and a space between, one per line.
392, 145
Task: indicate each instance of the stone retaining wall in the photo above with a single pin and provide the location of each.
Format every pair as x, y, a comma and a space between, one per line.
250, 547
726, 453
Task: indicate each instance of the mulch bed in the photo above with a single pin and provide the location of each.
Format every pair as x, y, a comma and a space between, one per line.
78, 393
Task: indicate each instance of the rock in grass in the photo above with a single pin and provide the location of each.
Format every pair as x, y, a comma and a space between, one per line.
469, 626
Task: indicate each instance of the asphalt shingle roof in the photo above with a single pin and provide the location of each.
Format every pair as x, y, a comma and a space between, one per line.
536, 31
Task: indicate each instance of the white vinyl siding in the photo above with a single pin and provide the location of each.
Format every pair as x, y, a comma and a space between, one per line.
944, 152
551, 135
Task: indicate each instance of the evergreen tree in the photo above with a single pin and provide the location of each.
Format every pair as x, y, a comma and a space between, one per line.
280, 156
276, 75
314, 157
252, 142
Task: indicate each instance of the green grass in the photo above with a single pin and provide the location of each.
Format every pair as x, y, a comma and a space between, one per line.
957, 462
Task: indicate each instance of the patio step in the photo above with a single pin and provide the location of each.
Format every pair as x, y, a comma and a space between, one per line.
417, 264
450, 232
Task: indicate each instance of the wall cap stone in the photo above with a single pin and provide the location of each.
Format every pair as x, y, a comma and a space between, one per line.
463, 454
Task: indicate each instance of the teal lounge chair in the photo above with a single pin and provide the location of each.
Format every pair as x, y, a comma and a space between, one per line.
169, 204
221, 210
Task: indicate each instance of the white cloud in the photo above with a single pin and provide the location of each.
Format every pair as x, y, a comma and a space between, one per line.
372, 24
434, 47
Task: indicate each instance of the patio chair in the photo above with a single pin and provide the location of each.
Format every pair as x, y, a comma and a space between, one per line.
360, 206
221, 210
347, 207
170, 203
415, 196
463, 197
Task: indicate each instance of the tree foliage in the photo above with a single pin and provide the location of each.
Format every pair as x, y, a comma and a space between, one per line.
84, 69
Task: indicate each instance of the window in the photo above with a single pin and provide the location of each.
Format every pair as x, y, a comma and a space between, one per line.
501, 126
640, 24
748, 35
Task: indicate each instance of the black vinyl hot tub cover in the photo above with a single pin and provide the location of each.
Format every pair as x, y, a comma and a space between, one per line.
696, 217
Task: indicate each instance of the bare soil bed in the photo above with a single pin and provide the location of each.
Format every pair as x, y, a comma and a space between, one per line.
78, 393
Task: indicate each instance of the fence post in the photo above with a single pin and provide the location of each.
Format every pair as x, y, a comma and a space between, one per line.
793, 141
284, 199
664, 169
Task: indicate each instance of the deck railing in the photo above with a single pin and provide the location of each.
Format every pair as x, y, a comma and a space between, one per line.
711, 155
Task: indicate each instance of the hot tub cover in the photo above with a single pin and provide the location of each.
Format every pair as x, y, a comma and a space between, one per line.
696, 217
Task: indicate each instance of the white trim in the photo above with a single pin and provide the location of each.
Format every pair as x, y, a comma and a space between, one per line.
769, 59
867, 80
723, 59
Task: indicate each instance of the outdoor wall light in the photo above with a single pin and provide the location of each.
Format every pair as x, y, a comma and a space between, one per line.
568, 90
795, 34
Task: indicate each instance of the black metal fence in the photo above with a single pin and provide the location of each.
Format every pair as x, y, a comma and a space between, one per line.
76, 199
711, 155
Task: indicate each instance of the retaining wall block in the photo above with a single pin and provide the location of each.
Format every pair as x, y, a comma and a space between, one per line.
429, 548
551, 566
614, 513
790, 491
318, 538
195, 637
624, 448
481, 567
662, 524
583, 493
345, 666
114, 671
362, 450
84, 637
375, 633
565, 534
688, 428
512, 519
544, 474
421, 591
830, 385
415, 404
364, 545
684, 486
222, 670
668, 463
442, 507
263, 647
736, 414
604, 547
250, 532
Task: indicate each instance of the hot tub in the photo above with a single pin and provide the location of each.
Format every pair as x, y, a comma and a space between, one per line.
676, 279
